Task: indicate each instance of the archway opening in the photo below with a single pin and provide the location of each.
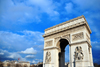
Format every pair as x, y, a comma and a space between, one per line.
63, 44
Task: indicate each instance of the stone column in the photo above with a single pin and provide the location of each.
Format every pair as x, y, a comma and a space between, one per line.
62, 59
91, 62
70, 62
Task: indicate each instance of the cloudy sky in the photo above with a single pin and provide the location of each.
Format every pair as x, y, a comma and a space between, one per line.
22, 24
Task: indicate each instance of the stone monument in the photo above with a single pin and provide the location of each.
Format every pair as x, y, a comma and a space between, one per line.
76, 34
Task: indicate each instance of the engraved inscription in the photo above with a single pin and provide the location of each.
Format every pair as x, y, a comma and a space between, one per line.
48, 43
78, 53
48, 57
77, 36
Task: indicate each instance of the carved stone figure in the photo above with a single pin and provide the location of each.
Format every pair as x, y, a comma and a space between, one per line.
78, 53
48, 57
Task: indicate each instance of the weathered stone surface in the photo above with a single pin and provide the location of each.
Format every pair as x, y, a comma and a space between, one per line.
48, 43
48, 57
76, 34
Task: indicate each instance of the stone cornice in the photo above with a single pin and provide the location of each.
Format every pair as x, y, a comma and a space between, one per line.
81, 42
51, 48
68, 27
88, 28
65, 22
69, 45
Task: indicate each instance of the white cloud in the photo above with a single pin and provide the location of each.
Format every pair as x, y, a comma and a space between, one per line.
30, 56
44, 6
98, 47
11, 40
16, 41
36, 61
22, 41
11, 55
14, 55
34, 34
5, 53
27, 11
29, 51
33, 61
95, 45
1, 53
69, 7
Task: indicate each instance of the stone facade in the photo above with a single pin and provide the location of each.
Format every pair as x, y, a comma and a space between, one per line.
15, 64
76, 34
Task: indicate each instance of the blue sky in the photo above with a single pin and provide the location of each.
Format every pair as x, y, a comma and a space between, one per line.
22, 24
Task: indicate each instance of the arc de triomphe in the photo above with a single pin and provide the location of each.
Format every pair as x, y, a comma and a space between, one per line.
76, 34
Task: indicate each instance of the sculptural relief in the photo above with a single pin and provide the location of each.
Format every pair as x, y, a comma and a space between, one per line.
48, 43
64, 33
48, 57
78, 53
77, 36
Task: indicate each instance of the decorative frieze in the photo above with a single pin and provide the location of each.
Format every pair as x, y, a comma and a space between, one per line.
48, 57
65, 28
48, 43
64, 33
65, 24
77, 36
78, 53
